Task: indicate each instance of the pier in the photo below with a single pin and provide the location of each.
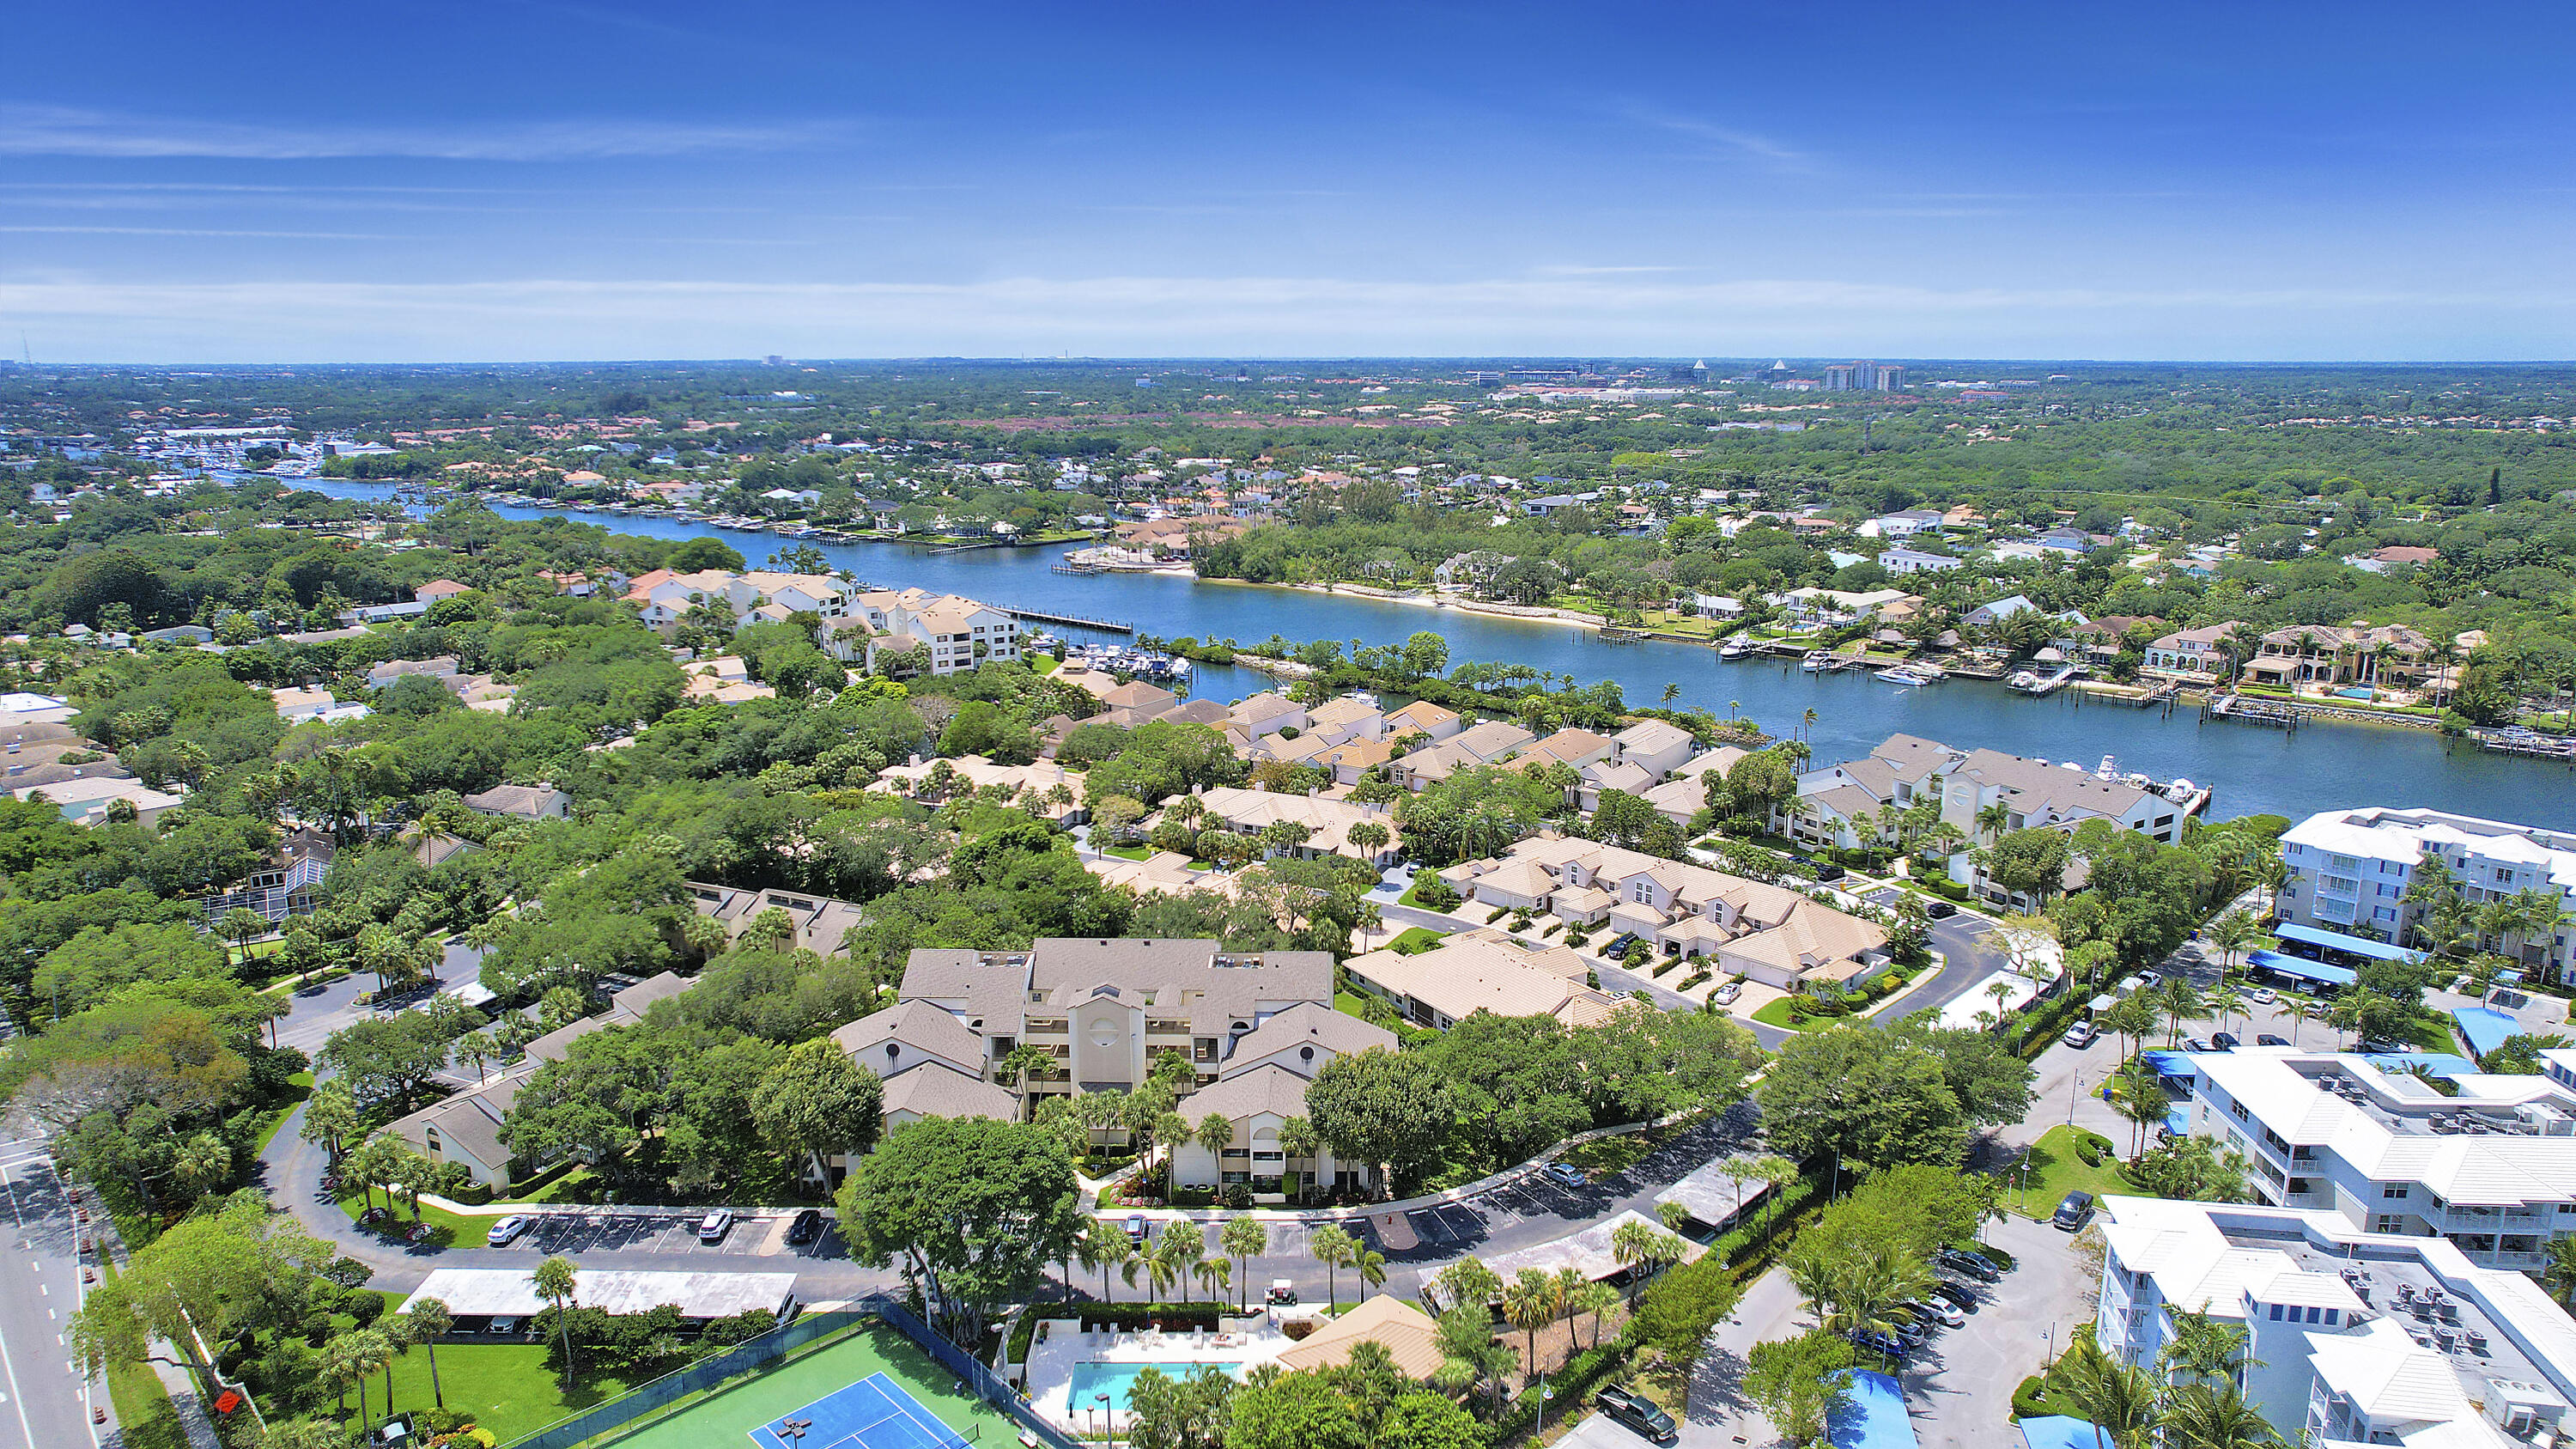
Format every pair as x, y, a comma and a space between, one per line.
2528, 743
2254, 711
2036, 685
1073, 620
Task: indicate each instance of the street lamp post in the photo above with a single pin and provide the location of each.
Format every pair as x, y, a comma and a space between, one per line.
1541, 1427
2074, 1089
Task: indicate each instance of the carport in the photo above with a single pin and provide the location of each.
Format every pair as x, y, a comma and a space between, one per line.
2299, 968
484, 1292
1871, 1415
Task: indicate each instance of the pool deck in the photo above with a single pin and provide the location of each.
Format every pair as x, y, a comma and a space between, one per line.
1061, 1345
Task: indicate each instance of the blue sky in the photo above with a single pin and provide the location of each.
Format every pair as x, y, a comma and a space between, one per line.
461, 181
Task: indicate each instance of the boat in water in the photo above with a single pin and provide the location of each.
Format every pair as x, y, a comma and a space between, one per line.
1817, 661
1736, 647
1908, 674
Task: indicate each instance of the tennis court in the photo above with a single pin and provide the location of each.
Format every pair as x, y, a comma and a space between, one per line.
893, 1370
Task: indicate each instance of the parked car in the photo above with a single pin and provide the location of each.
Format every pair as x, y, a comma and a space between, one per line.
2224, 1041
1567, 1174
2195, 1044
1826, 870
1913, 1331
1885, 1345
1956, 1295
1972, 1264
2263, 994
2073, 1212
1939, 910
503, 1326
1638, 1412
713, 1227
1727, 994
1935, 1311
2079, 1035
807, 1227
2271, 1039
507, 1230
1135, 1227
1617, 950
2383, 1046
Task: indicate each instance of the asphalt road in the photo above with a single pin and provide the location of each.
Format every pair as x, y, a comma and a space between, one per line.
49, 1401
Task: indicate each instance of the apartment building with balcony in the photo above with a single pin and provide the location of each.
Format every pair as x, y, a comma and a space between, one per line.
2352, 1337
2491, 1170
2348, 871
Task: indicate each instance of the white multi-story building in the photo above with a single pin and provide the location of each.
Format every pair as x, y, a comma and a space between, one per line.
2352, 1337
2349, 869
2491, 1168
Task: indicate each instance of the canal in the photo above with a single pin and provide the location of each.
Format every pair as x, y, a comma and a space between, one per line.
2254, 770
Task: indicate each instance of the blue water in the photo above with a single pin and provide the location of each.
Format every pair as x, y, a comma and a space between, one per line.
1090, 1380
2255, 770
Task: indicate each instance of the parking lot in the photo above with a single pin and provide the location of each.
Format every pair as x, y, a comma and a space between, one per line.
644, 1231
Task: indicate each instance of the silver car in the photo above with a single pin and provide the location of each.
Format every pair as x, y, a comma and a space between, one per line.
507, 1230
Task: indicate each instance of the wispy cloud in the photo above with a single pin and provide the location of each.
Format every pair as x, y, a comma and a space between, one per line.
1577, 269
64, 131
199, 231
1777, 154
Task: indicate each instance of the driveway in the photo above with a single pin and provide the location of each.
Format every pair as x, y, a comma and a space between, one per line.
1959, 1386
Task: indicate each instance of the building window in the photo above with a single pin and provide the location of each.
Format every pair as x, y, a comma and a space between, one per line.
2393, 1189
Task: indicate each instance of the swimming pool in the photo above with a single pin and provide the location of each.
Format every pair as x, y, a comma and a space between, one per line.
1090, 1380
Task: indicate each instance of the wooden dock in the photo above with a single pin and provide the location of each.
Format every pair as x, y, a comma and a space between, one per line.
1105, 626
2254, 711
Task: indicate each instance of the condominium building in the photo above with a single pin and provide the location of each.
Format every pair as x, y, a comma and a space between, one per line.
1842, 802
2489, 1167
1254, 1027
2349, 870
2351, 1337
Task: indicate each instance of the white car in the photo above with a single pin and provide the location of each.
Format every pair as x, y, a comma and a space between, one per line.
2080, 1034
1933, 1310
1726, 995
713, 1227
507, 1230
2263, 994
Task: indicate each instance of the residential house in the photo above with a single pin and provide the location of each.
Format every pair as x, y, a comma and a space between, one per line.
2361, 656
540, 801
815, 923
2200, 653
1988, 615
1345, 718
1261, 1085
1422, 717
2066, 540
1488, 743
1656, 746
1915, 561
1267, 714
1327, 823
93, 799
1042, 787
1482, 970
437, 589
1835, 608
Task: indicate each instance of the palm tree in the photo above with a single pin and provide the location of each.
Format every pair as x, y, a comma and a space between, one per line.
1632, 1246
1243, 1239
2225, 1003
2205, 1348
2119, 1399
2211, 1416
2232, 934
428, 1322
1991, 820
2142, 1100
1184, 1247
2180, 1000
1336, 1249
1529, 1304
1596, 1299
1215, 1275
1858, 1289
554, 1281
353, 1357
1298, 1142
2559, 1274
1370, 1264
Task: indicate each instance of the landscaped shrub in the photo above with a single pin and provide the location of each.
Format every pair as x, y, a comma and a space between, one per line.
1433, 894
1238, 1195
2026, 1400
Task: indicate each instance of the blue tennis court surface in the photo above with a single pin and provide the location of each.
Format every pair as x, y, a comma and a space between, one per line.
874, 1413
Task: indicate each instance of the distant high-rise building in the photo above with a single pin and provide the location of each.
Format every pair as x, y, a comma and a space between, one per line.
1840, 377
1891, 378
776, 360
1864, 377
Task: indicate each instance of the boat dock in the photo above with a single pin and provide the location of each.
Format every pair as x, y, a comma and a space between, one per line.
2253, 711
1075, 620
2036, 685
2164, 693
2528, 743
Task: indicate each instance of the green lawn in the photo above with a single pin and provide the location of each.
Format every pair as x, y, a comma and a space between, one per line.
1129, 852
1409, 898
447, 1229
727, 1417
1414, 939
277, 1115
1041, 663
505, 1386
143, 1409
1351, 1003
2055, 1171
1776, 1013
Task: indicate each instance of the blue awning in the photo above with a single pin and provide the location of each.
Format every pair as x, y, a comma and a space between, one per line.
2057, 1431
2175, 1065
2334, 941
1872, 1415
2300, 967
2485, 1027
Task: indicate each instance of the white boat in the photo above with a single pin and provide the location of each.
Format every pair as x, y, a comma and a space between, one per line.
1817, 661
1736, 647
1905, 674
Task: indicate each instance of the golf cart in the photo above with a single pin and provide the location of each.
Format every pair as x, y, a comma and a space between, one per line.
1282, 1293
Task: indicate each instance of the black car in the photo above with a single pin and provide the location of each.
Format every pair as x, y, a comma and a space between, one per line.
1971, 1264
1639, 1413
2224, 1041
1826, 870
807, 1227
1618, 949
1914, 1333
1939, 910
1955, 1294
2074, 1212
1885, 1345
2271, 1039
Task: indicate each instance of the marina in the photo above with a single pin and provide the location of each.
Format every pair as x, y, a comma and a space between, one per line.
2265, 770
